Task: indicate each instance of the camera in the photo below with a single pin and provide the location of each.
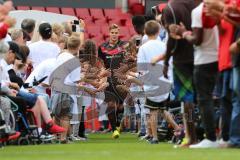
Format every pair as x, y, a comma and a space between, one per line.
76, 22
138, 41
74, 28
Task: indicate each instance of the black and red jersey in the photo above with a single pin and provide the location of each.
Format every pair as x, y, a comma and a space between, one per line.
112, 56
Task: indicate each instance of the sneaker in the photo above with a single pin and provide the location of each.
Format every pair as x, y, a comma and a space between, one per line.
74, 138
153, 141
146, 137
205, 144
118, 129
82, 138
56, 129
221, 142
116, 134
140, 134
46, 137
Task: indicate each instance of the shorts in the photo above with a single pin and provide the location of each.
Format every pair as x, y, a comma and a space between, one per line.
112, 95
30, 98
155, 105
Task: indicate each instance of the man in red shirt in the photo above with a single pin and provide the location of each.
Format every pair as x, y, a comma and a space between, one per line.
229, 13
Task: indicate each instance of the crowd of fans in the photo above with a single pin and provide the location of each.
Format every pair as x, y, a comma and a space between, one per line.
184, 55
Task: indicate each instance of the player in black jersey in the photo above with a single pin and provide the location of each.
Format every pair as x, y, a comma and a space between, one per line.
112, 53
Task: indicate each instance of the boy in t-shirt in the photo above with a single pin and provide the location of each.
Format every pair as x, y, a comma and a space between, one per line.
154, 99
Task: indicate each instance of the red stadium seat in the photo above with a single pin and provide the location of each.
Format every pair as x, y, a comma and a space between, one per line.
94, 31
111, 13
98, 40
96, 13
23, 8
137, 9
127, 38
53, 9
132, 2
105, 31
132, 31
68, 11
88, 21
124, 32
38, 8
115, 21
83, 13
101, 21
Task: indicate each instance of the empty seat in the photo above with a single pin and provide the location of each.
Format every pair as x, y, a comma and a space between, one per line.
132, 2
115, 21
94, 31
105, 31
111, 13
132, 31
53, 9
88, 21
98, 40
68, 11
124, 32
100, 22
82, 13
38, 8
126, 38
96, 13
23, 8
137, 9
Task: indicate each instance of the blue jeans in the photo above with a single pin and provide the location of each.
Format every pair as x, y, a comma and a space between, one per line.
235, 120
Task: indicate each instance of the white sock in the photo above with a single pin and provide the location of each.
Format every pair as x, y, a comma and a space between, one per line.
39, 130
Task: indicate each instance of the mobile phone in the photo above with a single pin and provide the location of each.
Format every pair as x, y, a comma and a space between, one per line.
74, 28
76, 22
138, 42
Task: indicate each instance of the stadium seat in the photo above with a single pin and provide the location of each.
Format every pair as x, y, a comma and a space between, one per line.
105, 31
23, 8
126, 38
137, 9
88, 21
53, 9
96, 13
115, 21
94, 31
124, 32
132, 31
98, 40
111, 14
100, 22
83, 13
38, 8
132, 2
68, 11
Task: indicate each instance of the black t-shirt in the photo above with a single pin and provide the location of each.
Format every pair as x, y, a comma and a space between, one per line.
179, 11
112, 56
236, 57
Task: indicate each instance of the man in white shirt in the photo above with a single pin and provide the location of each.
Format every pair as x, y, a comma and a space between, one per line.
206, 41
12, 53
43, 49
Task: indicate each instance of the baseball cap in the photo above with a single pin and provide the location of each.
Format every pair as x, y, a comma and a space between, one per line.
15, 49
45, 30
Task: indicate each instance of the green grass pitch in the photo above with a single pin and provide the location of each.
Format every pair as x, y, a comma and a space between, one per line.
103, 147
